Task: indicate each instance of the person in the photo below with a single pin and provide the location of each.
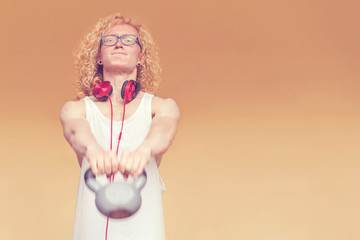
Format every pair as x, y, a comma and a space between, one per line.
116, 50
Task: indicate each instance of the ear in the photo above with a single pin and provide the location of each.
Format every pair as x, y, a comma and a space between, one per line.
141, 59
98, 57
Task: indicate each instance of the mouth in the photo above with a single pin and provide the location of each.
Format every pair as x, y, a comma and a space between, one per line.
118, 53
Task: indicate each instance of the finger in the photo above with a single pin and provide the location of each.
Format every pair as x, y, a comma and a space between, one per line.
135, 166
114, 162
122, 163
100, 165
140, 169
129, 163
144, 161
93, 167
107, 164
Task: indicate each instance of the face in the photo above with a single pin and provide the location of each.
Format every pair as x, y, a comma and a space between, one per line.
120, 56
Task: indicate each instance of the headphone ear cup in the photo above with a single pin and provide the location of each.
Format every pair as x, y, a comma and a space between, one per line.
129, 90
137, 88
102, 90
123, 89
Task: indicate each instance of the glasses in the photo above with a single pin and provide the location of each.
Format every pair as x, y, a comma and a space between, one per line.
127, 40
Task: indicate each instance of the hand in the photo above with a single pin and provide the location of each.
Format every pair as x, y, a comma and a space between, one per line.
101, 161
134, 162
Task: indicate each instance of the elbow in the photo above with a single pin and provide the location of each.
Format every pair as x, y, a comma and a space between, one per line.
172, 108
173, 116
69, 135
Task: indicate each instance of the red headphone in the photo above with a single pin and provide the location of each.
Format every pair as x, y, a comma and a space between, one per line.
129, 90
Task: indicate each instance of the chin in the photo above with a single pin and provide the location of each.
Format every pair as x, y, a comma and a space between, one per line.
122, 67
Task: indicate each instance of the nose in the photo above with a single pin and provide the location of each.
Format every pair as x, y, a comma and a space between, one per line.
119, 44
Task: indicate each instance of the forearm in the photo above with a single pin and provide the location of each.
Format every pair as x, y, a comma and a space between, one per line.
76, 128
77, 132
161, 134
160, 137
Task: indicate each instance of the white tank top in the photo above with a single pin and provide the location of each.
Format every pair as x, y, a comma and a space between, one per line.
148, 222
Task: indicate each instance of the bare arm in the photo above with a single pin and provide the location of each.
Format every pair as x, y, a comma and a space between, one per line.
163, 127
161, 135
77, 132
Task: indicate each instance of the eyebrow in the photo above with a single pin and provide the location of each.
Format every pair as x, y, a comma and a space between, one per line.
122, 34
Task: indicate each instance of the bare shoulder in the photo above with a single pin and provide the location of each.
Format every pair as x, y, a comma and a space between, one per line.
165, 107
73, 109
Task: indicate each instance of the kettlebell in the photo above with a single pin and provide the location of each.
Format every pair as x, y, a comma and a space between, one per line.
117, 199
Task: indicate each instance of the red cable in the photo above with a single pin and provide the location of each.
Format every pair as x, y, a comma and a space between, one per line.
122, 124
117, 150
111, 132
111, 125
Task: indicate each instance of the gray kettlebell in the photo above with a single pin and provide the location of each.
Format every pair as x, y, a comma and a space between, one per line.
117, 199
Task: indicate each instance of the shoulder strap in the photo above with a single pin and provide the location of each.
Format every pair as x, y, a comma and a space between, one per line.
147, 104
89, 107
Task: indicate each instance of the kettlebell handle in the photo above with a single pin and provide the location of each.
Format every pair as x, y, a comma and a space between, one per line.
91, 182
139, 182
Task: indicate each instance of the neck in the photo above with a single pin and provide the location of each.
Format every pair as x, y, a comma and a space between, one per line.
117, 80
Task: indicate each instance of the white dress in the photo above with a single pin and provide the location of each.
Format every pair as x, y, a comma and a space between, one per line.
148, 222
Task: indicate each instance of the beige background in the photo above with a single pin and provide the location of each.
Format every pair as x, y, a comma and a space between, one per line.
268, 141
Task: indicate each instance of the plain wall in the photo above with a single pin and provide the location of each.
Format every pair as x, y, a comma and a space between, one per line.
268, 141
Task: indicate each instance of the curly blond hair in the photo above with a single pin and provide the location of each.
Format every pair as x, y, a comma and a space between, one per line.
90, 73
